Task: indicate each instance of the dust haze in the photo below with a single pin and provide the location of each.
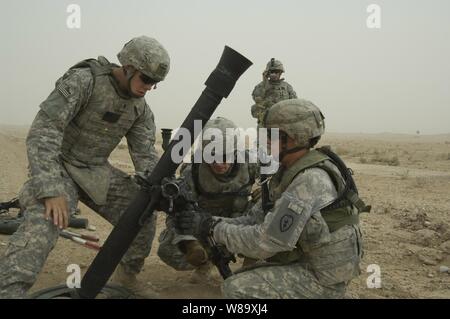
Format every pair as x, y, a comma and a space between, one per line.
393, 79
392, 84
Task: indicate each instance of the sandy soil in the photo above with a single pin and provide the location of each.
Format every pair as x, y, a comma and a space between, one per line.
405, 178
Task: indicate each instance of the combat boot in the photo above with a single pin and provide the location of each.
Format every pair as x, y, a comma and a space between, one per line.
195, 254
140, 289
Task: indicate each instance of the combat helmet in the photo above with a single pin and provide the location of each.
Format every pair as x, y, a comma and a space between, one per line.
228, 131
274, 65
147, 55
300, 119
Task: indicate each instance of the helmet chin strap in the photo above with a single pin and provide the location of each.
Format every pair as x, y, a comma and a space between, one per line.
129, 73
285, 151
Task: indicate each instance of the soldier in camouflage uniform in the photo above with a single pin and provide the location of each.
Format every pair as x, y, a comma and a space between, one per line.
94, 105
223, 189
271, 90
308, 245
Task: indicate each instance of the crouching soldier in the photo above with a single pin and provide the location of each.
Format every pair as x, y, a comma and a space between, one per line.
308, 245
220, 189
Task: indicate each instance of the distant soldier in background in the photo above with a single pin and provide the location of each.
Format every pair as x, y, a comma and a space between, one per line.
271, 90
93, 106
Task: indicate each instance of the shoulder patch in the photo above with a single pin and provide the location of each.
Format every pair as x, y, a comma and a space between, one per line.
287, 223
64, 89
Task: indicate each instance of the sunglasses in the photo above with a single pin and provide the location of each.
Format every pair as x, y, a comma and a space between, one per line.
146, 79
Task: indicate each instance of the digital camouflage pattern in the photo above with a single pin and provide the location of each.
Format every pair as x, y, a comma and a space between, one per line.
267, 93
225, 196
274, 65
218, 201
147, 55
323, 262
229, 135
33, 241
68, 127
279, 282
300, 119
77, 126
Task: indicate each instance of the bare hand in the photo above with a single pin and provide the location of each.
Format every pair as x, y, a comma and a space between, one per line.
56, 208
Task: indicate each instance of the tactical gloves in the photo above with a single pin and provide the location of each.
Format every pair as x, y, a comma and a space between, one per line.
193, 223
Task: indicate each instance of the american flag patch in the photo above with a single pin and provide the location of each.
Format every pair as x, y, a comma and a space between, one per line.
64, 89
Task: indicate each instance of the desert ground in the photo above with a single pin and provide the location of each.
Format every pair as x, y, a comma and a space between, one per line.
406, 179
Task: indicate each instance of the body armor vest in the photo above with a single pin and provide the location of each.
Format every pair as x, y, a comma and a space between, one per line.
223, 196
336, 214
328, 246
274, 92
98, 128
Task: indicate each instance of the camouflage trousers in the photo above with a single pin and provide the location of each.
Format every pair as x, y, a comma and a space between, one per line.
168, 249
279, 282
31, 244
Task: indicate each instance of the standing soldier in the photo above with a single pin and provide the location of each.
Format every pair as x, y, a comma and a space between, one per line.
94, 105
271, 90
309, 243
221, 189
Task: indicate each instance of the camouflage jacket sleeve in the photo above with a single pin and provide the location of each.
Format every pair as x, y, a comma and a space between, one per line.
307, 194
141, 142
291, 92
252, 216
46, 133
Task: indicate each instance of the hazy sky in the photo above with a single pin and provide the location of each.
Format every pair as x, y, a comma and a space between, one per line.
393, 79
